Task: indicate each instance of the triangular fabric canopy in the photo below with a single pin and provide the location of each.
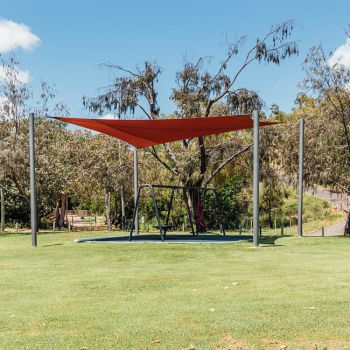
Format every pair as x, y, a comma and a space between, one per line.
147, 133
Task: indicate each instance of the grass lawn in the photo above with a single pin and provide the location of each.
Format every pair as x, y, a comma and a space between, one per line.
292, 292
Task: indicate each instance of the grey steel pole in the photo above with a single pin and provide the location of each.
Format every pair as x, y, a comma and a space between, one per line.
33, 217
301, 178
136, 187
2, 205
256, 179
122, 201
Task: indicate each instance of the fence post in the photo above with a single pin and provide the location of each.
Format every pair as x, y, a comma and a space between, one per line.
240, 230
322, 231
282, 233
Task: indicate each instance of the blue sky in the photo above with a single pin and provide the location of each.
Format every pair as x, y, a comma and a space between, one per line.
76, 36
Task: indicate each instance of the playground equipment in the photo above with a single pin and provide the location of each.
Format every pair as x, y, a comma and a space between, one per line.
147, 133
164, 225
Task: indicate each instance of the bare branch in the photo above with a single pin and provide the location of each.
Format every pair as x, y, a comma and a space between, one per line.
120, 68
248, 59
225, 162
154, 153
144, 111
171, 155
347, 190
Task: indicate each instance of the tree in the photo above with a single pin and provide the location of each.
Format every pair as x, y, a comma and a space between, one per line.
198, 92
330, 83
105, 167
18, 101
272, 197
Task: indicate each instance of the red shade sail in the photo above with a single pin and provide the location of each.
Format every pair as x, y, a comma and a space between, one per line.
146, 133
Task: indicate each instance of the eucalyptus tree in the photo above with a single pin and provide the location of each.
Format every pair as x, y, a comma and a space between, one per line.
330, 83
105, 168
199, 91
17, 101
271, 174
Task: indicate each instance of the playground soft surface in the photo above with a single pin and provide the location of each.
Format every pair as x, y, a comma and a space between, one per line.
291, 293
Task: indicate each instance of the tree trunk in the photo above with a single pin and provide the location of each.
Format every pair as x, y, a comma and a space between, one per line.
347, 226
115, 219
188, 204
270, 218
197, 202
60, 210
63, 209
108, 210
2, 209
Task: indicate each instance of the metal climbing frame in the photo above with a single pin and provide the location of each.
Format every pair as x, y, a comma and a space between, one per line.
163, 227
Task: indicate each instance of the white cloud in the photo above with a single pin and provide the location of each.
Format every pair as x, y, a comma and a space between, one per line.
21, 75
16, 35
341, 56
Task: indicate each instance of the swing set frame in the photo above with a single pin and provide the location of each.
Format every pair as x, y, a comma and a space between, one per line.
164, 226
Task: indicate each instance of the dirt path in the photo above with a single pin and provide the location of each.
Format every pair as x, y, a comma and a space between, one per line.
336, 229
340, 201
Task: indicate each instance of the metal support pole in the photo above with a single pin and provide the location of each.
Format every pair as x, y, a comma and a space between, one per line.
2, 209
256, 180
33, 216
136, 187
301, 178
122, 200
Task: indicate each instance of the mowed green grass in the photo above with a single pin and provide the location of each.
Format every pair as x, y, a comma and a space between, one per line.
62, 295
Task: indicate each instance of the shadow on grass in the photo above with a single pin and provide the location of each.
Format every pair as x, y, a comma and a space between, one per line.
270, 240
28, 233
52, 245
14, 234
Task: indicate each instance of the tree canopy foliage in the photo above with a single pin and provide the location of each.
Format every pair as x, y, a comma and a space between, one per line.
89, 168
